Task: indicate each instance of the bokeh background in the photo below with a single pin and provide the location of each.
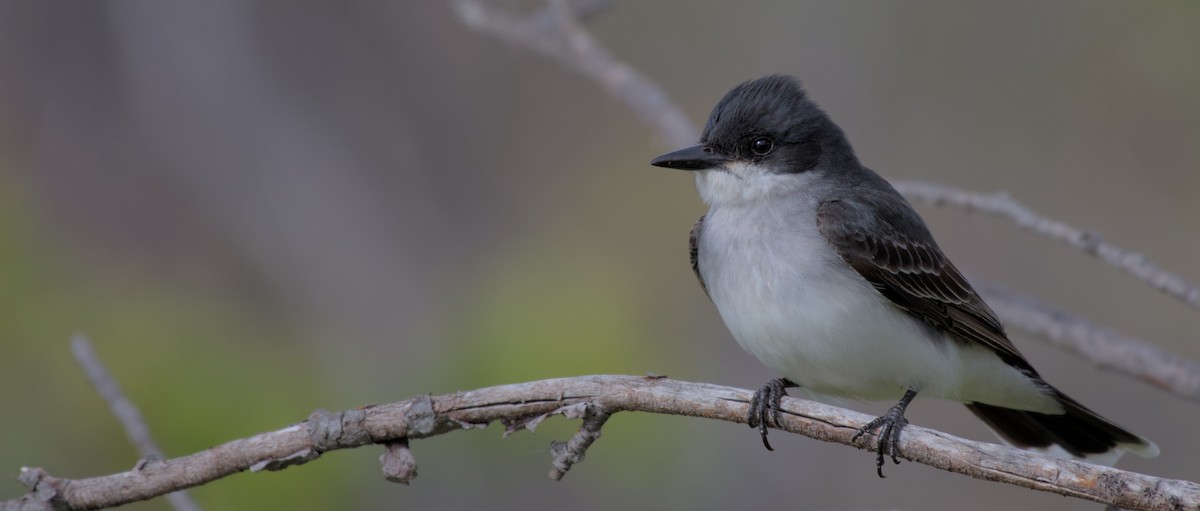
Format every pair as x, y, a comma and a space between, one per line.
258, 209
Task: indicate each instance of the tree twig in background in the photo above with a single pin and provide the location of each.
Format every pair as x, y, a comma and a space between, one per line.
523, 405
571, 46
1105, 348
566, 43
1088, 242
125, 411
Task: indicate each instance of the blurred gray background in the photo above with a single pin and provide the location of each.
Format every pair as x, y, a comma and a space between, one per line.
257, 209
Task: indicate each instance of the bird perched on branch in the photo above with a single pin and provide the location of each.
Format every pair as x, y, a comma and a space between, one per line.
827, 275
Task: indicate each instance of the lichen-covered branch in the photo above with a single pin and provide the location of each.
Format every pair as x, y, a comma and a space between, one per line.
593, 398
567, 454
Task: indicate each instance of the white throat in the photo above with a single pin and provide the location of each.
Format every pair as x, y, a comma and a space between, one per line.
740, 183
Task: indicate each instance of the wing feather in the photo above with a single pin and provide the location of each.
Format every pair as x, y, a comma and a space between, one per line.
899, 257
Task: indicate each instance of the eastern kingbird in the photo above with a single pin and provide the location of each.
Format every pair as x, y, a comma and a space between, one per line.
827, 275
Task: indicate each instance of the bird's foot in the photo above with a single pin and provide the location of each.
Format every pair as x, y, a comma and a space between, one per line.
764, 406
889, 425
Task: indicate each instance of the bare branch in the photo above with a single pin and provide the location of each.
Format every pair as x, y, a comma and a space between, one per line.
1103, 347
564, 42
578, 10
573, 47
521, 403
567, 454
124, 410
1089, 242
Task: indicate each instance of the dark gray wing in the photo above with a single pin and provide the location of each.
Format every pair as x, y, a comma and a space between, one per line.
694, 251
882, 238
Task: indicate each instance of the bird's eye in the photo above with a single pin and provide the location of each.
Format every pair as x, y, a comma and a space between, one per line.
761, 146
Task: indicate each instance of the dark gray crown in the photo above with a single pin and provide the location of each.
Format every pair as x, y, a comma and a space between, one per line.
776, 107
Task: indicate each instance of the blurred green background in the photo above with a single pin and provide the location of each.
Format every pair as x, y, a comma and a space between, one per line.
257, 209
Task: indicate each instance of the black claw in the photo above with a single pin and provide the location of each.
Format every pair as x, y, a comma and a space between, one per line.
762, 430
889, 425
764, 406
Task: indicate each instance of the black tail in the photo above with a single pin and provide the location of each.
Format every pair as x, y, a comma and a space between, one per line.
1079, 431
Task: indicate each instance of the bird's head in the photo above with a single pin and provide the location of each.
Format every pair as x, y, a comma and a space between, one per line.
763, 134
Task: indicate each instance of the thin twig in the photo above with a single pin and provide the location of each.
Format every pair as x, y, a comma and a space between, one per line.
1088, 242
571, 46
580, 10
579, 51
1103, 347
124, 410
426, 416
567, 454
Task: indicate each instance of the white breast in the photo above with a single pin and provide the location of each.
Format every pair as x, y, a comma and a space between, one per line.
790, 300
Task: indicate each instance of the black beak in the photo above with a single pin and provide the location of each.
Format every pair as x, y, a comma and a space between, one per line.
696, 157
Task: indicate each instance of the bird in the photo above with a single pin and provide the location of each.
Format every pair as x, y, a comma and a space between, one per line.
826, 274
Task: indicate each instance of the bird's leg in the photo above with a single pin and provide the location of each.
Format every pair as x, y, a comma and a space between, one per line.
889, 425
765, 405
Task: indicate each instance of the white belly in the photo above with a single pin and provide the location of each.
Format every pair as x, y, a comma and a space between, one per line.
791, 301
